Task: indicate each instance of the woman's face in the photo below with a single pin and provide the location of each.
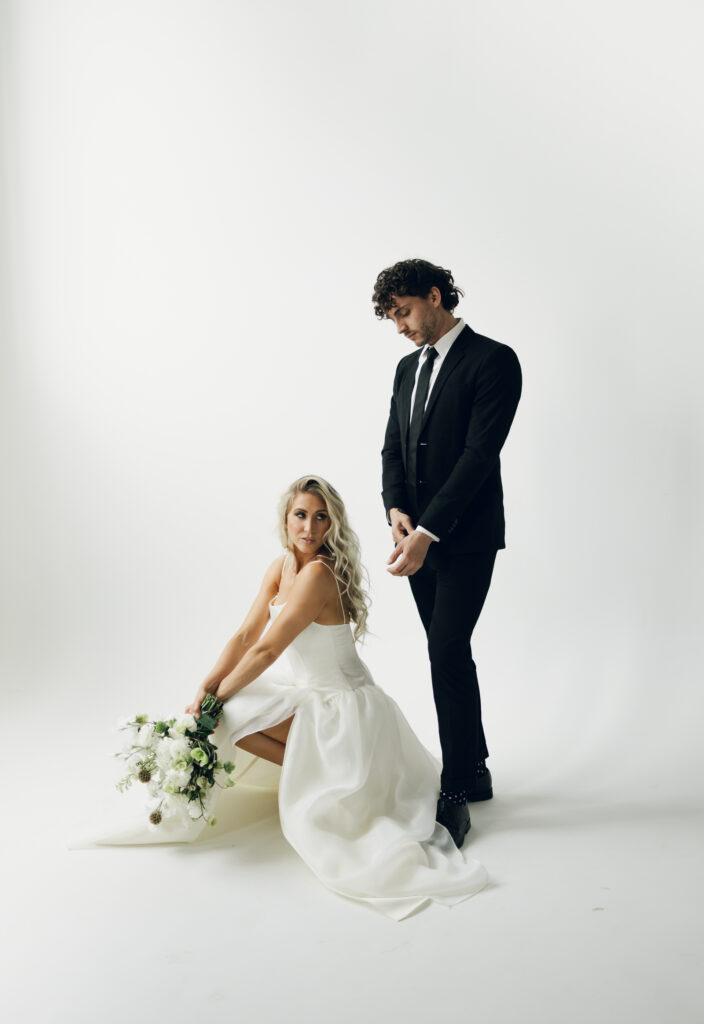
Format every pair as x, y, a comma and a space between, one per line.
307, 523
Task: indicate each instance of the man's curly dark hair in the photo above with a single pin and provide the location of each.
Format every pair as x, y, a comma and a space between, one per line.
413, 277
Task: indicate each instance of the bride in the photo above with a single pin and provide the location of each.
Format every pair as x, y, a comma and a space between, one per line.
357, 790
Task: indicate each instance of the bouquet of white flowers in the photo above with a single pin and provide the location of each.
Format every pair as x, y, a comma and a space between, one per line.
177, 762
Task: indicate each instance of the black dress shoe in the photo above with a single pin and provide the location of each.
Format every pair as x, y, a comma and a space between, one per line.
455, 818
482, 788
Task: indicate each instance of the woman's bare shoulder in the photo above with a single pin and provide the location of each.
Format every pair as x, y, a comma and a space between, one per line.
327, 563
320, 574
273, 573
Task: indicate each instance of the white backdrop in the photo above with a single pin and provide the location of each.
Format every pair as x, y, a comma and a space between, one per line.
197, 198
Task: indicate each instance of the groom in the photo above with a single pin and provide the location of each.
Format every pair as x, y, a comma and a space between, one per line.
453, 402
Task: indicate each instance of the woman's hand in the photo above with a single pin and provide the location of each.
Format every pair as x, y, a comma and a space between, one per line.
194, 707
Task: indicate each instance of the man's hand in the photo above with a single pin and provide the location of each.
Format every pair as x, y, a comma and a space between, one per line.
409, 554
401, 524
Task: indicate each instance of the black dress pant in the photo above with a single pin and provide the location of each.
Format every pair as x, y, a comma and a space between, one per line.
449, 591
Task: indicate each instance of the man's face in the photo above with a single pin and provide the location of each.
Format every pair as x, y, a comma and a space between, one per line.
419, 319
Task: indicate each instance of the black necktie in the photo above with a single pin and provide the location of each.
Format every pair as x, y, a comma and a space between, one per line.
418, 411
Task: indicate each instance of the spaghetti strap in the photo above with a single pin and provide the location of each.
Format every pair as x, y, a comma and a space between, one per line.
337, 584
283, 567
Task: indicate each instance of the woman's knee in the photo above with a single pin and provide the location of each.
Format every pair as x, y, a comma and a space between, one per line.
279, 732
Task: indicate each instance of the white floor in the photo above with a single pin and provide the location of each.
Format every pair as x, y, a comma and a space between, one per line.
592, 914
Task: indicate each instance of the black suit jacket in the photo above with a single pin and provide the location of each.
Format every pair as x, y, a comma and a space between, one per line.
458, 493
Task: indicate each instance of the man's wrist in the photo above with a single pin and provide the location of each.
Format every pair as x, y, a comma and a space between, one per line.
422, 529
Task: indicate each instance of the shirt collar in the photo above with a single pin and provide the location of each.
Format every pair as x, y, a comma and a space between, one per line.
443, 345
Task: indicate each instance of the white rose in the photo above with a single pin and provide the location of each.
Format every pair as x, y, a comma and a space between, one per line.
135, 759
169, 751
182, 723
177, 779
163, 756
167, 807
181, 765
176, 806
145, 735
180, 749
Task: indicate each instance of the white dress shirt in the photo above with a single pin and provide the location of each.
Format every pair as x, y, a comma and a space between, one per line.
442, 346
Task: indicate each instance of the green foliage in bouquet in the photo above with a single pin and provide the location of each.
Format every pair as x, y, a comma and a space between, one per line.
177, 761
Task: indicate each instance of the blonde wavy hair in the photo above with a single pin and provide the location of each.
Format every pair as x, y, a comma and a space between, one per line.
341, 544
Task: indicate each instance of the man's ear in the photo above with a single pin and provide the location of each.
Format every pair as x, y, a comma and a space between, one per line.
435, 296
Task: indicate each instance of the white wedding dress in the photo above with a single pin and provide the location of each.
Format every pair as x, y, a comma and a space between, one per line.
357, 790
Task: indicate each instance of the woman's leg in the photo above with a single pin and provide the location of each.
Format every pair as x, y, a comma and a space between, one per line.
269, 743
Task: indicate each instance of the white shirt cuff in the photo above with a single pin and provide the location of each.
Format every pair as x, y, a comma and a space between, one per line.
432, 536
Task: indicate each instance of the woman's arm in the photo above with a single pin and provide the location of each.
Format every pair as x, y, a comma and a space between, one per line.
245, 637
313, 589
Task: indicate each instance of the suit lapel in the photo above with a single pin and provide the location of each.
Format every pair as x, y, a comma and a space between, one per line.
453, 357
